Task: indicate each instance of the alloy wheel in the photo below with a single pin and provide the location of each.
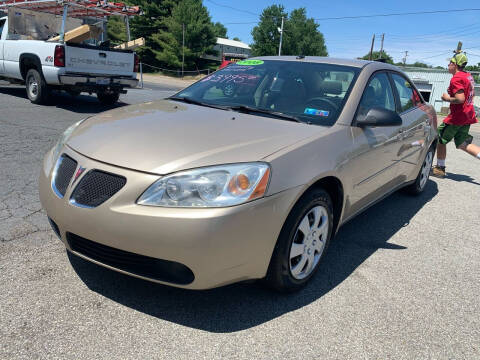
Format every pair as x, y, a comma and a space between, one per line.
309, 242
425, 172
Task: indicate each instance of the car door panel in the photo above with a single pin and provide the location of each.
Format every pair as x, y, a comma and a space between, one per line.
374, 164
416, 125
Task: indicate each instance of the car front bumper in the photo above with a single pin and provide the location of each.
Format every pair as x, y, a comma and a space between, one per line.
219, 245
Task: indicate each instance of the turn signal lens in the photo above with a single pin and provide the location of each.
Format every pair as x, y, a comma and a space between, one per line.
239, 184
261, 187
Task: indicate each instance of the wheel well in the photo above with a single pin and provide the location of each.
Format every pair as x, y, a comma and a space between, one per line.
334, 187
29, 61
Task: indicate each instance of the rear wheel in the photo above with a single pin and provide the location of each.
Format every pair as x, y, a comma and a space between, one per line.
37, 89
108, 97
302, 242
421, 181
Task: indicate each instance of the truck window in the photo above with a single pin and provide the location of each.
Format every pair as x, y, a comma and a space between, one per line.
2, 22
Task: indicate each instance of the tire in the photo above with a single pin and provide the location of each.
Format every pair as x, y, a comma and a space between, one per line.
301, 245
37, 89
422, 178
108, 98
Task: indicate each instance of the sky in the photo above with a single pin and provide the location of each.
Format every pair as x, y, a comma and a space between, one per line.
429, 38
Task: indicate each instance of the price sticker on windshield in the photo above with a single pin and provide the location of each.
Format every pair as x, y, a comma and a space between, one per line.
249, 62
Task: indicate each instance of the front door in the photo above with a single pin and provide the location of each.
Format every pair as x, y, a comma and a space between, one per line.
374, 168
416, 126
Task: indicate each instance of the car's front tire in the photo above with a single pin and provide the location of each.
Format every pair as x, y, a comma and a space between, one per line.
37, 89
302, 242
422, 178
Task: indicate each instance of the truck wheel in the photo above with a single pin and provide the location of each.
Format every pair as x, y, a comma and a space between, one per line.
108, 98
37, 88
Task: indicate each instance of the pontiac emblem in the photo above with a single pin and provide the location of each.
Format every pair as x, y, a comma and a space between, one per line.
79, 172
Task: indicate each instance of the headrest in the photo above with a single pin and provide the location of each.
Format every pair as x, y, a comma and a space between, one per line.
332, 87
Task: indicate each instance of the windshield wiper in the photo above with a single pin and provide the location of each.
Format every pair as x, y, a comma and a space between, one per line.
249, 109
196, 102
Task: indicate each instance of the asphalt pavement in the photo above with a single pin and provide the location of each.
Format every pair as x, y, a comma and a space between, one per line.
399, 282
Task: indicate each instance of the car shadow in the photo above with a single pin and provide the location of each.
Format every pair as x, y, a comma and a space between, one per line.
245, 305
81, 104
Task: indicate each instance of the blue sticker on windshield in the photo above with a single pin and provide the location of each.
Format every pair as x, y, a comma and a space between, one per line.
310, 111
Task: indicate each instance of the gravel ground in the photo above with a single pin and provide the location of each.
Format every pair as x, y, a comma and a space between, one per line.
400, 281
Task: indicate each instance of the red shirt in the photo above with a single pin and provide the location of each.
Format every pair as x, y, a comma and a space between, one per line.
461, 114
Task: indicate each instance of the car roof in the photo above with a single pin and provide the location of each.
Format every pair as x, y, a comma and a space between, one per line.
328, 60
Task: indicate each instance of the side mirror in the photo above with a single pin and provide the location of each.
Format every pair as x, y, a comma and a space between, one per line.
378, 116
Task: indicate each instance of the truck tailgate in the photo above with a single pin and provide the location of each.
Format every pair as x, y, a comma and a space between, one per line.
89, 60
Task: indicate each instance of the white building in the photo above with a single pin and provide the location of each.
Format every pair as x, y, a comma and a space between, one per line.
231, 49
432, 83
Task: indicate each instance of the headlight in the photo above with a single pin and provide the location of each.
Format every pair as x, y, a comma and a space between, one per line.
215, 186
64, 138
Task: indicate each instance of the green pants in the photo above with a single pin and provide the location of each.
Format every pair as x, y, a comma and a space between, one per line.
459, 133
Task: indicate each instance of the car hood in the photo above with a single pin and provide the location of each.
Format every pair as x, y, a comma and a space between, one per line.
165, 136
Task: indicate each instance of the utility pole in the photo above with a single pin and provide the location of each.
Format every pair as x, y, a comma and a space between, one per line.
405, 58
381, 47
183, 47
371, 48
281, 39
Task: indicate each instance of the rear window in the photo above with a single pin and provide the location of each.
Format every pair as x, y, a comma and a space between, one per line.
313, 92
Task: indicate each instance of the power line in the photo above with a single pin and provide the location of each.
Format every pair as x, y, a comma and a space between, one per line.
233, 8
350, 17
396, 14
446, 31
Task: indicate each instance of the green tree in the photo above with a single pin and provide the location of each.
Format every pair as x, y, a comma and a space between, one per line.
236, 39
301, 36
376, 55
147, 26
220, 30
199, 35
266, 37
116, 29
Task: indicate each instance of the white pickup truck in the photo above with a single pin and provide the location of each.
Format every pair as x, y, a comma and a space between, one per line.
75, 68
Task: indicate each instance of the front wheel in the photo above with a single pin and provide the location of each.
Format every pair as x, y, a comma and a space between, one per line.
302, 242
107, 97
37, 89
421, 181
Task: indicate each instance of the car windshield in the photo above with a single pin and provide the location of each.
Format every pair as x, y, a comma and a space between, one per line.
309, 92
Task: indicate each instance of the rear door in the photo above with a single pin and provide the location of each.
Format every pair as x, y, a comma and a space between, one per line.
3, 35
375, 169
90, 60
416, 124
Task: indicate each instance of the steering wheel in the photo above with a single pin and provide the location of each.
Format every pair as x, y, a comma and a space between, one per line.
330, 104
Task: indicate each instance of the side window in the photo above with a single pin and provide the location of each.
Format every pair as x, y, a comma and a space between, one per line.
2, 22
378, 93
409, 97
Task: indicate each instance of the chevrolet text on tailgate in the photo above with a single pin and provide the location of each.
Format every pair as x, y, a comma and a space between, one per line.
63, 53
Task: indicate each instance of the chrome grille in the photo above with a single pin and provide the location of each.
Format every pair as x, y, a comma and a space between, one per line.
96, 187
64, 171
